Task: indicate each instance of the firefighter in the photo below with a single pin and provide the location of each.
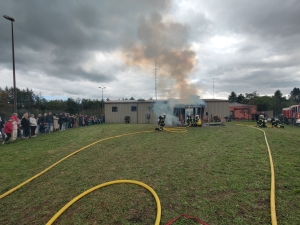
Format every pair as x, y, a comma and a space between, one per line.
189, 120
127, 119
161, 122
261, 122
197, 121
276, 123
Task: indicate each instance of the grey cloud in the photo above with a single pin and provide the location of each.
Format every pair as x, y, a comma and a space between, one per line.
55, 38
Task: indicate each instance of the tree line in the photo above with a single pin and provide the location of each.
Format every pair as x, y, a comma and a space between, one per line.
27, 100
275, 102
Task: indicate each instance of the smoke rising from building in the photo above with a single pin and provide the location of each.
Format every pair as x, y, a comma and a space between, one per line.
169, 107
165, 42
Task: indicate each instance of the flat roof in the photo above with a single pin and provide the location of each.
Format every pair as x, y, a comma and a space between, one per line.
160, 100
129, 101
215, 100
239, 104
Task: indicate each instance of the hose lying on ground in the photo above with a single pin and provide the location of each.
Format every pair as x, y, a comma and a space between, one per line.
272, 193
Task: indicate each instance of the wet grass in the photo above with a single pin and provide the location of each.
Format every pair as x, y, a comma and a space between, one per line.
218, 174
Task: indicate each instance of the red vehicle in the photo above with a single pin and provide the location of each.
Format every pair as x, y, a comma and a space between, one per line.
292, 112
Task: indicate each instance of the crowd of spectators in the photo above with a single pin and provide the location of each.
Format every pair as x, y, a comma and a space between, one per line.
29, 125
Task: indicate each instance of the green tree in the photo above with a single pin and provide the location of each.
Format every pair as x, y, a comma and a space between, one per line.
232, 97
56, 105
72, 106
240, 99
278, 102
263, 103
250, 96
295, 95
6, 108
132, 98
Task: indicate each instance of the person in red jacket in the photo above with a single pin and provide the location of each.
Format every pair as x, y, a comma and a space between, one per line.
8, 129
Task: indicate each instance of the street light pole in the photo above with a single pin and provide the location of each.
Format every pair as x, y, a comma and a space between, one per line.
13, 58
102, 95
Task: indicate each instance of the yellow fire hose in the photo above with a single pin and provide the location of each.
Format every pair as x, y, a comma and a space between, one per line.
176, 129
158, 215
158, 205
73, 153
272, 193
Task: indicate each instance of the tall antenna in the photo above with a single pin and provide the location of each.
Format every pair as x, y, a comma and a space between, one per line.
213, 88
155, 69
155, 77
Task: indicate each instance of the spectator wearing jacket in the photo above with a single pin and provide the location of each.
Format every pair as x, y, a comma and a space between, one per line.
33, 124
80, 120
8, 129
66, 124
49, 122
38, 122
43, 123
2, 129
25, 125
60, 121
55, 122
16, 124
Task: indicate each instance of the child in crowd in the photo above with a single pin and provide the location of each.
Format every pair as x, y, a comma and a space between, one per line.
8, 129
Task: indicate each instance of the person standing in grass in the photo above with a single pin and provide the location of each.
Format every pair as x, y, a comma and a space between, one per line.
60, 121
38, 122
2, 129
55, 122
25, 125
49, 122
33, 124
15, 123
8, 130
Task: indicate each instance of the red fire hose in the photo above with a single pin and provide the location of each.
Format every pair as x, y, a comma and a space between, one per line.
187, 216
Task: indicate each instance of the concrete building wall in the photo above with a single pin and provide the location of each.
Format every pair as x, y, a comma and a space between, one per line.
124, 108
216, 107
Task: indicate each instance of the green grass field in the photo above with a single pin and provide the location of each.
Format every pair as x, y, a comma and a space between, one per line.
218, 174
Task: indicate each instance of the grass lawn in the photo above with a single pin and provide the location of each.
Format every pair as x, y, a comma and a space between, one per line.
218, 174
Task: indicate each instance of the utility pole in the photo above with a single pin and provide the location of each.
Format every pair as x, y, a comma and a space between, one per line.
13, 59
155, 69
155, 78
102, 95
213, 88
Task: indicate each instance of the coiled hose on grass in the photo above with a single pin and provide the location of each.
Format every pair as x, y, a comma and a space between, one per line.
158, 215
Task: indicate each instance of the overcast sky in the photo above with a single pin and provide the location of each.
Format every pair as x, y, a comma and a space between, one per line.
70, 48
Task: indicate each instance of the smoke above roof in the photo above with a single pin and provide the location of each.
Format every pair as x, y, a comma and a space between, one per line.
164, 43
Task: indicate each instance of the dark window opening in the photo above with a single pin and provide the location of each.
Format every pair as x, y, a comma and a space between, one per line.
114, 109
133, 108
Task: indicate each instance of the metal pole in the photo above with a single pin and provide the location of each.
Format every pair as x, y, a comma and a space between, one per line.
102, 96
13, 58
14, 75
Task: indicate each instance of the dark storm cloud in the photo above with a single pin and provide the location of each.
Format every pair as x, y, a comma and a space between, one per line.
61, 40
55, 36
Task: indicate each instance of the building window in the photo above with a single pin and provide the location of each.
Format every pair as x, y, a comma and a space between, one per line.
133, 108
114, 109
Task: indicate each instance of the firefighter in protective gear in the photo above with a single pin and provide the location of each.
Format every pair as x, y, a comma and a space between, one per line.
189, 120
161, 122
261, 122
276, 123
198, 121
